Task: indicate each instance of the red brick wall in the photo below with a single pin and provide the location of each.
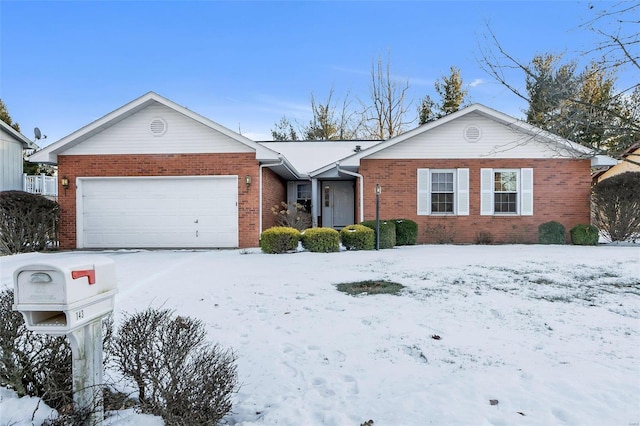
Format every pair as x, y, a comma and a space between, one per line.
273, 193
561, 193
241, 164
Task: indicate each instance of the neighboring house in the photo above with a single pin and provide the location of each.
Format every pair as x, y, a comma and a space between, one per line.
630, 163
155, 174
12, 146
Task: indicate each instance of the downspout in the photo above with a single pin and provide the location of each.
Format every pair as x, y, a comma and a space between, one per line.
358, 175
260, 195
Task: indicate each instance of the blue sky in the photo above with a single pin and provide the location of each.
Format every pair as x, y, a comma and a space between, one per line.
245, 64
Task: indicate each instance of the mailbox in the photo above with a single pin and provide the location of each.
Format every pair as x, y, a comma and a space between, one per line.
61, 293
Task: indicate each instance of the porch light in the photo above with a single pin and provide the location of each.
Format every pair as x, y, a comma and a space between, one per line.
247, 180
65, 182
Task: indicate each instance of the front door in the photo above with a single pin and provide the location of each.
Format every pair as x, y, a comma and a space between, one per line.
337, 204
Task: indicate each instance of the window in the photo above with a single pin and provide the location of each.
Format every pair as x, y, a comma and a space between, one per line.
506, 192
505, 188
303, 196
443, 191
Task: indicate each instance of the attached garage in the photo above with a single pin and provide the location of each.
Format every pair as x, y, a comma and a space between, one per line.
157, 212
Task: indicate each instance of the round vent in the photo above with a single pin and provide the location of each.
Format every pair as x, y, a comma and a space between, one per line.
472, 133
158, 127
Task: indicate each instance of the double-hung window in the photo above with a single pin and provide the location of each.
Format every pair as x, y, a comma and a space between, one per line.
443, 191
506, 192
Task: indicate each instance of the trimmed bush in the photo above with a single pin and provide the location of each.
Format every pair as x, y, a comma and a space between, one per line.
28, 222
387, 232
551, 233
321, 240
406, 232
616, 203
358, 237
279, 239
584, 235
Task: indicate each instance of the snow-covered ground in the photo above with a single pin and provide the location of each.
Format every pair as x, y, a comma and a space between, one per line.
552, 333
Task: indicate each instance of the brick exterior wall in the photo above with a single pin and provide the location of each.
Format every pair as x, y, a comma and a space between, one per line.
561, 192
273, 193
241, 164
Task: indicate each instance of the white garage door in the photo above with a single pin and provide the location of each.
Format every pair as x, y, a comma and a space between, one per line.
157, 212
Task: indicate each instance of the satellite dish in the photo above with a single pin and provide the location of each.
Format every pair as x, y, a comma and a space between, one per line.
37, 133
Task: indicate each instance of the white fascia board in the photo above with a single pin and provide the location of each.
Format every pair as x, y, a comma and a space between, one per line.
26, 143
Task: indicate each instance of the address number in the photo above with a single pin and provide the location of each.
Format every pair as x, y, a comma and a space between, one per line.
80, 314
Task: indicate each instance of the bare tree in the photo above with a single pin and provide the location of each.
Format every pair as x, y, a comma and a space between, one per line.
580, 106
619, 31
328, 122
385, 118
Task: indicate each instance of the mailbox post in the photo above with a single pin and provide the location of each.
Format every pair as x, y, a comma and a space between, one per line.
70, 295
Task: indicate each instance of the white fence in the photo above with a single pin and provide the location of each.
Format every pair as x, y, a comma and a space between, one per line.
40, 184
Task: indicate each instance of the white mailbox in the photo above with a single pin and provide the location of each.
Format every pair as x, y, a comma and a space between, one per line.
61, 293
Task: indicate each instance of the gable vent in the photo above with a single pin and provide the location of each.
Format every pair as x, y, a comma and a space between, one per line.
472, 133
158, 127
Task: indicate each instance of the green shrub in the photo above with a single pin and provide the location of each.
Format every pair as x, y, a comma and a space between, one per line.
358, 237
387, 232
321, 240
406, 232
584, 235
279, 239
551, 233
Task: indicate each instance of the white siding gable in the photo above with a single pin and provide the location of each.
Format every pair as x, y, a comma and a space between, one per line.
448, 141
133, 135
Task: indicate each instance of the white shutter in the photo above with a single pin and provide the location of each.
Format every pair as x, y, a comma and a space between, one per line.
526, 192
462, 202
423, 191
486, 192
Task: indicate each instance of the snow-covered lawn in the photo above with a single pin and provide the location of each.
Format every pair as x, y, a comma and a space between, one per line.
552, 333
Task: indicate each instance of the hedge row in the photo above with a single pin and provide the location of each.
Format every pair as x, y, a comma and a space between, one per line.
396, 232
281, 239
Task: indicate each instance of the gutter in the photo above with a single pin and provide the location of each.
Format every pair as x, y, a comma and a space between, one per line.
358, 175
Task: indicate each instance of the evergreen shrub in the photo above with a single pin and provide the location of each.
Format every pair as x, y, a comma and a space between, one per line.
321, 240
584, 235
406, 232
551, 233
387, 232
279, 239
358, 237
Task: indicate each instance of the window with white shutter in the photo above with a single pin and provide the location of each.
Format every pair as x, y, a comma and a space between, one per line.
443, 191
506, 192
